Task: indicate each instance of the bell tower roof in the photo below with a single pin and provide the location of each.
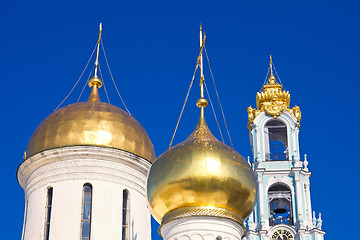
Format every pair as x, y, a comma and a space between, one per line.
272, 99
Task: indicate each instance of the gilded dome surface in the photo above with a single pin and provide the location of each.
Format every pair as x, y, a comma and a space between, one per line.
91, 123
200, 176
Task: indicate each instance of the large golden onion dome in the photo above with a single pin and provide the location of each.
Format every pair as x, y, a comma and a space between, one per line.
201, 176
91, 123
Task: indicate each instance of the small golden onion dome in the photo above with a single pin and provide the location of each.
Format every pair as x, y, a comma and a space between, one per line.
91, 123
272, 79
201, 177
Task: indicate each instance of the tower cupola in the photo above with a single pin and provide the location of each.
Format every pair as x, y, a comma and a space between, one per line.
272, 99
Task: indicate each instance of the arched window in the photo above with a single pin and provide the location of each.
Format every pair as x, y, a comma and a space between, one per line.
276, 142
48, 212
86, 212
125, 216
280, 205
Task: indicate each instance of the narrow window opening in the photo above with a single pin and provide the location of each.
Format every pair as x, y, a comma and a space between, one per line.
48, 212
276, 143
280, 205
86, 212
125, 216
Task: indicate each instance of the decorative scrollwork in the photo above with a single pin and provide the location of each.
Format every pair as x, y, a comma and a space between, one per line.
273, 100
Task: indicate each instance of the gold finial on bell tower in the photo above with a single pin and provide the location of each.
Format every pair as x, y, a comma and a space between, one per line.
272, 79
95, 82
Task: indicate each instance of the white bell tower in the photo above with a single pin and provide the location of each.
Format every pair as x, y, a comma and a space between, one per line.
283, 209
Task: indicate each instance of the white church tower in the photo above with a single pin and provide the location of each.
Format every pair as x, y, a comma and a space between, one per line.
84, 174
283, 210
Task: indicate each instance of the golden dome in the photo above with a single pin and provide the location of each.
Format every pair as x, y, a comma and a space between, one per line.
200, 176
92, 123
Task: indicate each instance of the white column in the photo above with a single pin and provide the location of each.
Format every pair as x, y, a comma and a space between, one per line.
308, 204
260, 201
256, 149
299, 203
202, 228
266, 144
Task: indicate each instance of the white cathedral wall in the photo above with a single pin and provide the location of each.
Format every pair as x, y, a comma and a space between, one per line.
202, 228
66, 170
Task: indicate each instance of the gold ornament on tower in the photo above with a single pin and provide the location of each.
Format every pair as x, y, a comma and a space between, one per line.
273, 100
201, 177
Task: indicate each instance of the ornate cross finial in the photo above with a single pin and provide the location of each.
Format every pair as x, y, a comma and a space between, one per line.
272, 77
202, 102
95, 80
97, 51
201, 63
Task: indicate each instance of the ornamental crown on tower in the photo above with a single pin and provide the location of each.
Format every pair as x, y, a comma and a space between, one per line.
273, 100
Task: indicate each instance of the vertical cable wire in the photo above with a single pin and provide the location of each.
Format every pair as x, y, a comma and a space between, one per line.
85, 84
182, 110
267, 74
277, 75
112, 78
77, 80
104, 84
222, 111
212, 107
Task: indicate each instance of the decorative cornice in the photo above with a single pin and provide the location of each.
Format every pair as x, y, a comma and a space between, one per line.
202, 227
209, 211
83, 163
317, 230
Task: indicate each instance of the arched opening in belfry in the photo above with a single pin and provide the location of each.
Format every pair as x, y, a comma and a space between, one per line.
280, 206
276, 141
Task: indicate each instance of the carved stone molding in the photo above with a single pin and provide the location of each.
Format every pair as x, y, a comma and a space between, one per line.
202, 228
83, 163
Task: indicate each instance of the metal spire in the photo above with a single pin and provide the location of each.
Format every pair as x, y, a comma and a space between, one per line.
271, 65
272, 78
97, 51
202, 102
95, 82
201, 64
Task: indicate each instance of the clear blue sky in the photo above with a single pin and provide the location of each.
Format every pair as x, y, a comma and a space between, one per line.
152, 48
